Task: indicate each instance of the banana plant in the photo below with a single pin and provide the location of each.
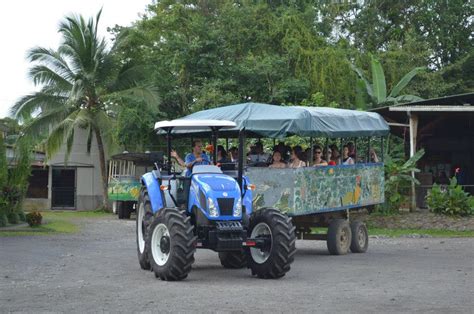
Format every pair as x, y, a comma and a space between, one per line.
398, 177
377, 89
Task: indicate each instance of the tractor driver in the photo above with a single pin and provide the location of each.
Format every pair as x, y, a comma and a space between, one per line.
197, 157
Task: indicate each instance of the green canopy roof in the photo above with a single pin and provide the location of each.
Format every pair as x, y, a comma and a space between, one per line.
263, 120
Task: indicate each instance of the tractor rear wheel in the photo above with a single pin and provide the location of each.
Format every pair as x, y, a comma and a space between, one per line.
274, 260
233, 260
171, 244
144, 218
339, 237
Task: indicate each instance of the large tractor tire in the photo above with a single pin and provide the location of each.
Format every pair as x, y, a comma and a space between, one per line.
170, 244
360, 237
273, 261
144, 219
339, 237
233, 260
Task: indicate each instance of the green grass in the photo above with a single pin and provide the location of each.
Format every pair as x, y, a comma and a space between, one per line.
436, 233
57, 222
395, 233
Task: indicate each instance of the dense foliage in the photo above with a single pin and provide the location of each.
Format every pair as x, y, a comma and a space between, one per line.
208, 53
450, 200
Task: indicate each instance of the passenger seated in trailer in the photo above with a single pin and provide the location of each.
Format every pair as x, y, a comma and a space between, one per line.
277, 161
352, 150
317, 157
257, 155
196, 157
328, 154
222, 155
346, 160
297, 158
373, 156
335, 156
233, 154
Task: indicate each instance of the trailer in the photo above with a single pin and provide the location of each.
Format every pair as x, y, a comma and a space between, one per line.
125, 170
316, 196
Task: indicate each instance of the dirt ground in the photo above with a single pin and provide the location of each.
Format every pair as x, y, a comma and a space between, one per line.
97, 270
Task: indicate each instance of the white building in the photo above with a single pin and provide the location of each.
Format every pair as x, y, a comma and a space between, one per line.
72, 184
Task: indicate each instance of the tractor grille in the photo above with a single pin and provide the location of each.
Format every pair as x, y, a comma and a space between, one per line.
226, 206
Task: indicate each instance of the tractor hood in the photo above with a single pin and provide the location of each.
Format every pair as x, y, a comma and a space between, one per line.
216, 182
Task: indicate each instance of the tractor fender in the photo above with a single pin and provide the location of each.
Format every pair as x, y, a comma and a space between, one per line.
247, 199
154, 192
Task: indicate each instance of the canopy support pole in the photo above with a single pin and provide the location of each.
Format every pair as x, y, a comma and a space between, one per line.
341, 156
368, 149
240, 162
355, 149
381, 148
168, 149
311, 158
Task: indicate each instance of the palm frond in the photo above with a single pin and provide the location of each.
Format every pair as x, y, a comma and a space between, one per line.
53, 60
43, 75
27, 105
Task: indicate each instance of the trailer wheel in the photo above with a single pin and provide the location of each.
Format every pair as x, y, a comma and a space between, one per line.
360, 237
171, 244
339, 237
233, 260
275, 260
144, 218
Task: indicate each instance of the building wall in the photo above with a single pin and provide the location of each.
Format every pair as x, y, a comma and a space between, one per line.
87, 165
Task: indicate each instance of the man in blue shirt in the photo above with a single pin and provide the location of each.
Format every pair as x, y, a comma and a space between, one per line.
197, 157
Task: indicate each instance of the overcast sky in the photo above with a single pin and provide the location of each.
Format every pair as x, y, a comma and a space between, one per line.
26, 24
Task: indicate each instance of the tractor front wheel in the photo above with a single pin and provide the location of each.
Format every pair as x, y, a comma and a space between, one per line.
274, 260
144, 218
171, 245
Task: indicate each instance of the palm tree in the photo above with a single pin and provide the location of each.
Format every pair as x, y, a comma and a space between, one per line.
81, 84
377, 90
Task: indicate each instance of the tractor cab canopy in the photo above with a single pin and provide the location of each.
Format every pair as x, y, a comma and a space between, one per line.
194, 125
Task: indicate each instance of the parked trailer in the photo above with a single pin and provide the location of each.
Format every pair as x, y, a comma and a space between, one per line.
322, 196
124, 174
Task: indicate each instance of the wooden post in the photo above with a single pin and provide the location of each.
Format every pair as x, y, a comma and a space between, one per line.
413, 132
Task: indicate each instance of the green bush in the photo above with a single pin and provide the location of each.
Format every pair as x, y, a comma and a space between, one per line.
3, 220
34, 218
13, 218
21, 215
452, 201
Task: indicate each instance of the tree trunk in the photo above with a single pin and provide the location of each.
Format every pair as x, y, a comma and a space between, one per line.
103, 170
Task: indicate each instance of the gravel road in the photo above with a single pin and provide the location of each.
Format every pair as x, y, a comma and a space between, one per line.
97, 270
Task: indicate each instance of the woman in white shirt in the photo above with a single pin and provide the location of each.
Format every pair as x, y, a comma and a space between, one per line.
296, 158
346, 160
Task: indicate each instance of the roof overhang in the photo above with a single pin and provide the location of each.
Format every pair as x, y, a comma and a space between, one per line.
180, 124
466, 108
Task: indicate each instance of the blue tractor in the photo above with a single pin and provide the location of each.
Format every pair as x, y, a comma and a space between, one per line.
212, 209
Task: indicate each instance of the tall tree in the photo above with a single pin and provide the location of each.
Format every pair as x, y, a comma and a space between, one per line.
81, 86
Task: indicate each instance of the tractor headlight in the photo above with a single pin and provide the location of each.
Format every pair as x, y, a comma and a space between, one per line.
211, 207
238, 208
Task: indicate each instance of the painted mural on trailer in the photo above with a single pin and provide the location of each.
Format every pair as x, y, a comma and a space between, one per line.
124, 190
318, 189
